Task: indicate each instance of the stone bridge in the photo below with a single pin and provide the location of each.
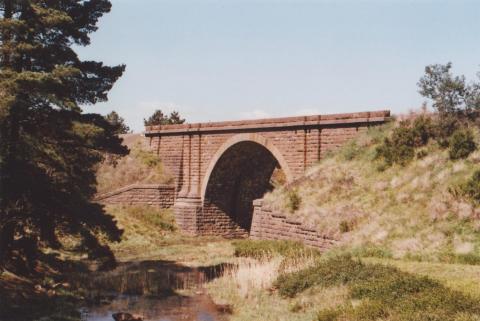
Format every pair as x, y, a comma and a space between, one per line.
220, 168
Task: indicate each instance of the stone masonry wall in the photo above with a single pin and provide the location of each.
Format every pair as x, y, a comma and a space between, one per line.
269, 225
162, 196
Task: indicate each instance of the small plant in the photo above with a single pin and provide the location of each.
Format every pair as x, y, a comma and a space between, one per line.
469, 189
293, 200
328, 315
461, 144
345, 227
421, 154
350, 150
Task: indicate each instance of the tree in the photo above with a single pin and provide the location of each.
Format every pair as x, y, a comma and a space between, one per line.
49, 147
158, 118
118, 122
450, 94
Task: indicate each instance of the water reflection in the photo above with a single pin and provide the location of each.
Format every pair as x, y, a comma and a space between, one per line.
148, 288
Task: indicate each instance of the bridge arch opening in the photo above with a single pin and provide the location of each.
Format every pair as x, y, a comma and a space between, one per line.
244, 171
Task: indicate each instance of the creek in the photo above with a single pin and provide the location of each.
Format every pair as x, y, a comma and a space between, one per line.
155, 290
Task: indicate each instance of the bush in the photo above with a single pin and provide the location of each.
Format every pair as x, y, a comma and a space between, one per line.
461, 144
400, 147
444, 128
293, 200
350, 150
470, 189
260, 249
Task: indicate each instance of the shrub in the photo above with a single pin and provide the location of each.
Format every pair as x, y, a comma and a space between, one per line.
422, 130
293, 200
461, 144
470, 189
350, 150
259, 249
400, 147
444, 128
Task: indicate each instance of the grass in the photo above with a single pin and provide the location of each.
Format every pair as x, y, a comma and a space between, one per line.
261, 249
150, 233
403, 212
140, 166
341, 288
381, 291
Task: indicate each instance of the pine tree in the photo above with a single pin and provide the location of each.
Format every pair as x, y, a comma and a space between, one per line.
49, 147
159, 118
118, 122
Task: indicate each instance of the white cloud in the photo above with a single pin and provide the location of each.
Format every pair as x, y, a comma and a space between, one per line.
255, 114
307, 112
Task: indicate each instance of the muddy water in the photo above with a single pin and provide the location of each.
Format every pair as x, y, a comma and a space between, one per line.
151, 289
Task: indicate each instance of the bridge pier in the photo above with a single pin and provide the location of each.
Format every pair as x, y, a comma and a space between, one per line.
187, 210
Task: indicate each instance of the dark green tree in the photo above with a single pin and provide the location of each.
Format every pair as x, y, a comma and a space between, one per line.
118, 122
159, 118
450, 94
49, 147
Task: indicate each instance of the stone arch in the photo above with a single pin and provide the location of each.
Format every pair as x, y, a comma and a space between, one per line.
240, 172
256, 138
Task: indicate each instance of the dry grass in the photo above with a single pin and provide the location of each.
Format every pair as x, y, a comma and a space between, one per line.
140, 166
408, 211
247, 286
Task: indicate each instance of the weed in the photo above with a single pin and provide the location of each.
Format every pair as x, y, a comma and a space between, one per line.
294, 200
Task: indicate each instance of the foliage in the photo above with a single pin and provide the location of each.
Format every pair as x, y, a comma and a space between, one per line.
400, 147
461, 144
159, 118
470, 189
293, 200
450, 94
259, 249
50, 148
383, 291
118, 122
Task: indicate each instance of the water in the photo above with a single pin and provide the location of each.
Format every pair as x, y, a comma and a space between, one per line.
150, 289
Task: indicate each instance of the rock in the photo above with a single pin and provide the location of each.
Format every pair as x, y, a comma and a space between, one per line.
123, 316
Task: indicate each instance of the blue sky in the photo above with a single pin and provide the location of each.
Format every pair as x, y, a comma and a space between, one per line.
232, 59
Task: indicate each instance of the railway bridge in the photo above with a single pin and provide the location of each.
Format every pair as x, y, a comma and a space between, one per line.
220, 168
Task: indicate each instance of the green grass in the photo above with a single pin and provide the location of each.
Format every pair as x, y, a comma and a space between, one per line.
261, 249
381, 292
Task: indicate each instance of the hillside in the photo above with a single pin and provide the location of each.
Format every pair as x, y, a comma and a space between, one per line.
399, 211
140, 166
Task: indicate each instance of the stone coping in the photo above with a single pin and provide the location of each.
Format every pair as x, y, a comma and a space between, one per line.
272, 123
105, 195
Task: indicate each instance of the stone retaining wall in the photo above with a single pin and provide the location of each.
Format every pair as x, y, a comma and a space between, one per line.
162, 196
269, 225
